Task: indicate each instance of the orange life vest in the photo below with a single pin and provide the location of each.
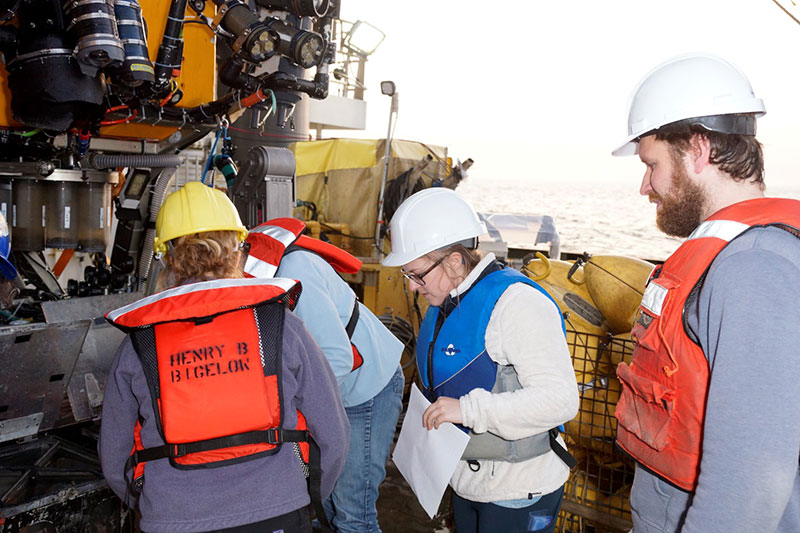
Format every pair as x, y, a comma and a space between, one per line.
272, 240
211, 354
664, 389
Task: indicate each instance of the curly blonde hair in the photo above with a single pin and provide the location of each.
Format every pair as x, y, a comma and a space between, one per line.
201, 256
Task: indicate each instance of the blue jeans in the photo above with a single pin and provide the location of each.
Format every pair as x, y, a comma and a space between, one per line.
351, 506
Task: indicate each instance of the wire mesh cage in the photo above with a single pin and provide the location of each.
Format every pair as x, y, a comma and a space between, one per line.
596, 494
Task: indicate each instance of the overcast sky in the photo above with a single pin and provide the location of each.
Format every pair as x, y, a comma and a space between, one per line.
539, 90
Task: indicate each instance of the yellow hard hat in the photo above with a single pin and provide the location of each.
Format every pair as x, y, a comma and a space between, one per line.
196, 208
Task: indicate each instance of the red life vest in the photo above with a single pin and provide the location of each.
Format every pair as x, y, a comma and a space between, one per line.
664, 389
211, 354
272, 240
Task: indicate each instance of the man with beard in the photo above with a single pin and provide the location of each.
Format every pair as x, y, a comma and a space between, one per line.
710, 407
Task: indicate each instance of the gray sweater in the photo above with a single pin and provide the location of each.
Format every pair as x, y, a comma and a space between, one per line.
747, 319
200, 500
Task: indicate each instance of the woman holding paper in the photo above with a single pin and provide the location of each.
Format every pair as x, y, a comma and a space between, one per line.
493, 359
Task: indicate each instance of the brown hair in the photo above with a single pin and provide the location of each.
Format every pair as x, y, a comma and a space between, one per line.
199, 256
740, 156
471, 258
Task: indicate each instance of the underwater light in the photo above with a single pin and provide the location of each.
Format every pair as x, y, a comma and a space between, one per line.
255, 41
306, 48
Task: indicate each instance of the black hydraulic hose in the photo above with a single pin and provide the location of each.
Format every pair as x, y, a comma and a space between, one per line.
289, 82
169, 53
204, 114
8, 42
104, 161
232, 74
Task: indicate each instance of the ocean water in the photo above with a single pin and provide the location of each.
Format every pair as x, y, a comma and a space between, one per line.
602, 219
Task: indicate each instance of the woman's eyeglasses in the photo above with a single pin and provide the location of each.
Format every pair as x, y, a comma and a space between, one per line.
417, 278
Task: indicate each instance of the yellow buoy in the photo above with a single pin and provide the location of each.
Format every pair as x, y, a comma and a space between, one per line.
586, 326
571, 295
616, 284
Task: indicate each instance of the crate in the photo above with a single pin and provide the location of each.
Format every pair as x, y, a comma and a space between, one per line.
596, 494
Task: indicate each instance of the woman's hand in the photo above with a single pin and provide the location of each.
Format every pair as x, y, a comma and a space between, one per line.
442, 410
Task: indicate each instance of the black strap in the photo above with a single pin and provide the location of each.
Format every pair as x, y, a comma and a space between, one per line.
351, 324
315, 483
560, 451
269, 436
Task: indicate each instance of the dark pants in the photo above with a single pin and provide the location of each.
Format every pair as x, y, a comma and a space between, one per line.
475, 517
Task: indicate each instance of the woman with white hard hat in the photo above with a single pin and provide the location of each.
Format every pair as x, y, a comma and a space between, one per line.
217, 387
493, 359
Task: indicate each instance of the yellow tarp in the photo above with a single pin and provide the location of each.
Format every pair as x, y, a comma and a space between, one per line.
342, 177
315, 157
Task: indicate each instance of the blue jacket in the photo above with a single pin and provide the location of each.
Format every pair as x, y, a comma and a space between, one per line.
325, 307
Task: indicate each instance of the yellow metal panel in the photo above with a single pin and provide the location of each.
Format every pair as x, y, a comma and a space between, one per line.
198, 74
5, 106
197, 79
137, 131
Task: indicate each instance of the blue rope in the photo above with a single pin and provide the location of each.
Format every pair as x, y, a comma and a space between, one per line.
211, 155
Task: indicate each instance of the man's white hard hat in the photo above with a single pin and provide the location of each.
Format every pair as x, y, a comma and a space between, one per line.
428, 220
699, 88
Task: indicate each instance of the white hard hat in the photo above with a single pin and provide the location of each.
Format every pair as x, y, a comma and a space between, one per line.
705, 88
428, 220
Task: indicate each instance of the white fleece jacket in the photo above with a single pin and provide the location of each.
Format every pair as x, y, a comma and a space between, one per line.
524, 331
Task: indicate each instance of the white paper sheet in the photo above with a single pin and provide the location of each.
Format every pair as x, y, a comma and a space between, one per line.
427, 459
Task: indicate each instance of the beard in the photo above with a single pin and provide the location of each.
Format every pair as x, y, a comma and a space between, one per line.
681, 210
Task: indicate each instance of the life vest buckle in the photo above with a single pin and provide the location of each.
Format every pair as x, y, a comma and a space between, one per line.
178, 450
274, 436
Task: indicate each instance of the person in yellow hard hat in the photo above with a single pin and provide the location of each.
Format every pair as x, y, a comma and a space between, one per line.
200, 228
218, 388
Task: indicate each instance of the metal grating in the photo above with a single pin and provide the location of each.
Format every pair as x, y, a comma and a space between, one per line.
596, 495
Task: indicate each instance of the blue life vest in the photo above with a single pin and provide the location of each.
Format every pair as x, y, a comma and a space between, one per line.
459, 359
452, 360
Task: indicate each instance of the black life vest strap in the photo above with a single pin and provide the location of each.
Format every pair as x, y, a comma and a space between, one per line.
270, 436
350, 328
315, 483
560, 451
